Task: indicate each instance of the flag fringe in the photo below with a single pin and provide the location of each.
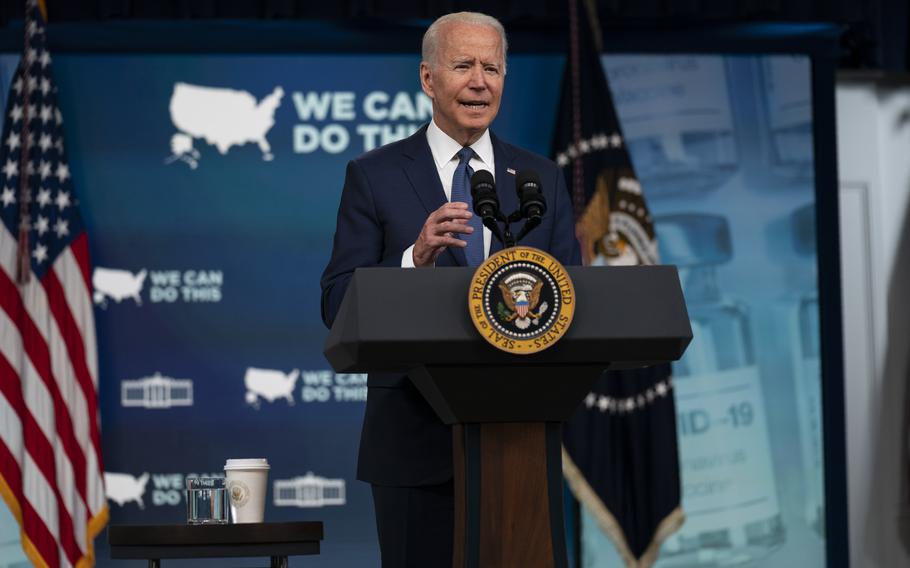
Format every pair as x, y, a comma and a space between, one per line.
95, 526
31, 551
588, 497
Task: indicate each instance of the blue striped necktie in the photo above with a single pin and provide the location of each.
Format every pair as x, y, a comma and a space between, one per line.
461, 191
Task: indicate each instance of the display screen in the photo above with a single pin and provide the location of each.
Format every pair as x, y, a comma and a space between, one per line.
723, 147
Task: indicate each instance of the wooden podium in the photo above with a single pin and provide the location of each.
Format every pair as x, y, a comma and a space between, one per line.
506, 410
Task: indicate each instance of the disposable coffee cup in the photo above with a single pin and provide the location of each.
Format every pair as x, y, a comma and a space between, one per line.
246, 484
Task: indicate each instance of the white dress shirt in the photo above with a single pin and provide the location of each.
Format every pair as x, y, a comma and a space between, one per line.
445, 156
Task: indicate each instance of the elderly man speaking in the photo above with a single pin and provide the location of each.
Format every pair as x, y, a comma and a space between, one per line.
408, 204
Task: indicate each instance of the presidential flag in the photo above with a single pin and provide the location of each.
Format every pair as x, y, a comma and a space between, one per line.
620, 453
50, 442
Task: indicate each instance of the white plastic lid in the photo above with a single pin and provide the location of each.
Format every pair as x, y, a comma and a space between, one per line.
247, 463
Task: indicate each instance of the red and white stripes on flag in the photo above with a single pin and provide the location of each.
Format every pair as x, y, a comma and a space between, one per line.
51, 472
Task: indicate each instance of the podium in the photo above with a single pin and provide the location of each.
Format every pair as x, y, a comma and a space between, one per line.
506, 410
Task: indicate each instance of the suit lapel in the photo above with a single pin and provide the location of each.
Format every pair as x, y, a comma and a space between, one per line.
505, 183
420, 168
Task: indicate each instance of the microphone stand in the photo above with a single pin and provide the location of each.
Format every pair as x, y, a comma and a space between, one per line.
510, 240
529, 225
489, 221
504, 234
492, 218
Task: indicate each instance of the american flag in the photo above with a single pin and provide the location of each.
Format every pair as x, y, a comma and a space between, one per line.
50, 440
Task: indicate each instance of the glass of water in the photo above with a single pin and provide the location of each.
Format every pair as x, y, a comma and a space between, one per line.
206, 501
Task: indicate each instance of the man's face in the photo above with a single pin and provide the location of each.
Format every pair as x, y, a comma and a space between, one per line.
466, 80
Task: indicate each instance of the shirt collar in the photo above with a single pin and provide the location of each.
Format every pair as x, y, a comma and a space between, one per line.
444, 147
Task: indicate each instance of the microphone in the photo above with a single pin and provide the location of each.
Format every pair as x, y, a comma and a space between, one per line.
483, 194
532, 204
486, 202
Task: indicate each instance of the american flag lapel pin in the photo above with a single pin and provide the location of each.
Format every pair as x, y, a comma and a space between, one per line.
510, 171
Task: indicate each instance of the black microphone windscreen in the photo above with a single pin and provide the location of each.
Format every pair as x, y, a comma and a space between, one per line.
482, 177
530, 194
527, 176
483, 194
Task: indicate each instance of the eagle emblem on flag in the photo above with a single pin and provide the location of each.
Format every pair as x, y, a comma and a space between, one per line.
521, 296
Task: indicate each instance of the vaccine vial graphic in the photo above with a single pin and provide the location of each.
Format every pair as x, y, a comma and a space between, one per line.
788, 106
803, 325
676, 119
728, 484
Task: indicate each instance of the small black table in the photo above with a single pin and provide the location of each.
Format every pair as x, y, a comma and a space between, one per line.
275, 540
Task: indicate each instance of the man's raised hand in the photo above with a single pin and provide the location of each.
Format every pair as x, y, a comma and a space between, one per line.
440, 231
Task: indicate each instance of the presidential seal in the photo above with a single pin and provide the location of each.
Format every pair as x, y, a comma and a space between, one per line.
521, 300
239, 492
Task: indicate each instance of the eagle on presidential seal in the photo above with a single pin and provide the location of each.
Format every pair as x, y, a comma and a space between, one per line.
521, 296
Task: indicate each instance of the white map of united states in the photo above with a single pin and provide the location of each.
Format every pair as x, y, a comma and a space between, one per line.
222, 117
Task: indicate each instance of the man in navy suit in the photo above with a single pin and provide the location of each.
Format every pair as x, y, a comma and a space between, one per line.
406, 204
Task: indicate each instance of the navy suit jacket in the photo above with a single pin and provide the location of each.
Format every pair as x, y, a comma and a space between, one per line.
388, 194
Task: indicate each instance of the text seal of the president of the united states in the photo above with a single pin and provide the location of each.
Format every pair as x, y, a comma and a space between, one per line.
521, 300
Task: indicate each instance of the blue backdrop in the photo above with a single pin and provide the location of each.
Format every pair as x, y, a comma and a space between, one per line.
210, 184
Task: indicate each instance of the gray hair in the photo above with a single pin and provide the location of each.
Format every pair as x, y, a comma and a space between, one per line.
431, 36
